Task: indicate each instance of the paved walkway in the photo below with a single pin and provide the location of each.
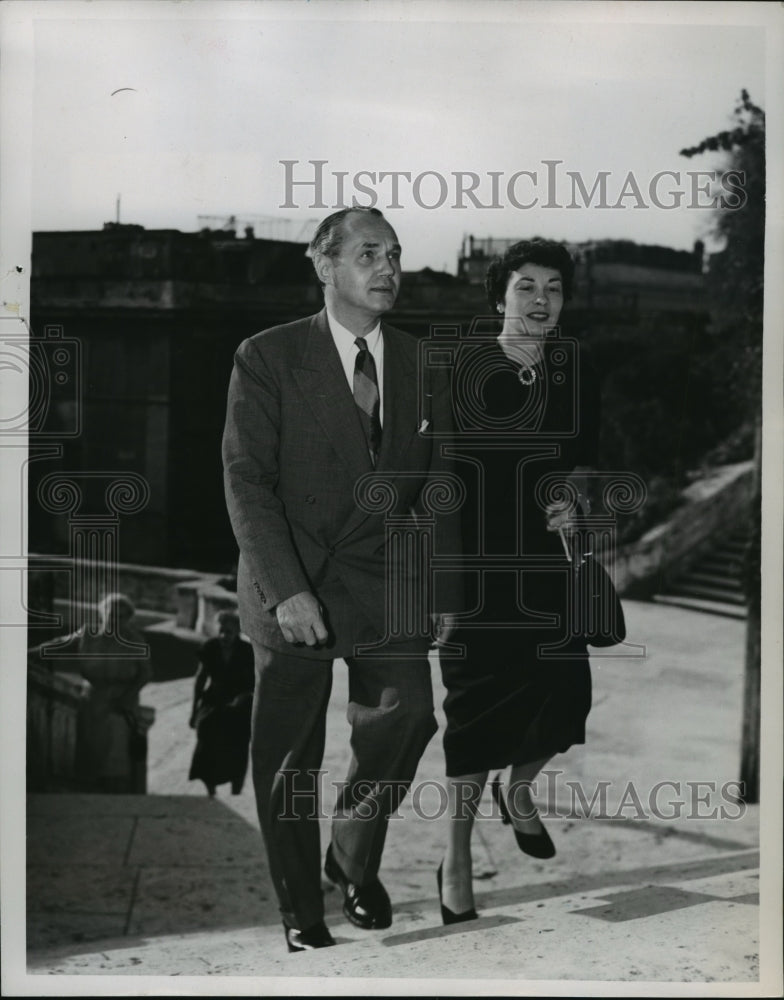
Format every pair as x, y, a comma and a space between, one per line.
174, 884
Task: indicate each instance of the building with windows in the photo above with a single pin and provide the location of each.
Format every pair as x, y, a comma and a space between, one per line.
157, 315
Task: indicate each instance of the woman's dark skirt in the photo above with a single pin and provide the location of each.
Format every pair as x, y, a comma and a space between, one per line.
519, 695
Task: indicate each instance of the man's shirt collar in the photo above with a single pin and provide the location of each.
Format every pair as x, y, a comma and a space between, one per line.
344, 336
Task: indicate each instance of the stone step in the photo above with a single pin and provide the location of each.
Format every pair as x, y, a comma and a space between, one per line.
736, 543
681, 589
714, 582
717, 581
700, 604
723, 564
737, 553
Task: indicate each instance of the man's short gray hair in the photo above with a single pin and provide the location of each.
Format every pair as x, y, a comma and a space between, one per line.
328, 238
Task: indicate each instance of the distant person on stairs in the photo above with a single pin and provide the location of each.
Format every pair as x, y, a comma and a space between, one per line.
222, 701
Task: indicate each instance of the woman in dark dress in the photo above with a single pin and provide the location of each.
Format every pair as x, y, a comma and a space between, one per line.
222, 701
526, 410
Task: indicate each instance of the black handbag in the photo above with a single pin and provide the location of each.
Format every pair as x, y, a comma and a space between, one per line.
596, 610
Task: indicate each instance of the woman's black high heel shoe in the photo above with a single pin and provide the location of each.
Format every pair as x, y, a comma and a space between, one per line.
449, 916
537, 845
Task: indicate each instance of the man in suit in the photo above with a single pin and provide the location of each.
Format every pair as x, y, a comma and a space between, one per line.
313, 407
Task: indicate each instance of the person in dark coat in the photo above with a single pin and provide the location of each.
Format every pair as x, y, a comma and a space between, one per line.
222, 701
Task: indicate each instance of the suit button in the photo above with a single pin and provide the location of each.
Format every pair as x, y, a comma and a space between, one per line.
310, 498
331, 550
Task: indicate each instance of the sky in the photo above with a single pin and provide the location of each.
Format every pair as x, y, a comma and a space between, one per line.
219, 94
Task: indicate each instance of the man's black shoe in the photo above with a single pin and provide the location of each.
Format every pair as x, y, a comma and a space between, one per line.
366, 906
316, 936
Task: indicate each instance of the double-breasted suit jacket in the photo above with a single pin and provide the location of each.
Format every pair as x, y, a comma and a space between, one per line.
294, 452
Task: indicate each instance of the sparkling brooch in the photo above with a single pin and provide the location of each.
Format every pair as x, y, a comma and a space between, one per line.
527, 376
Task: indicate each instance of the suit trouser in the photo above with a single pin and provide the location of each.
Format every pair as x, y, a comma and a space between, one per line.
390, 711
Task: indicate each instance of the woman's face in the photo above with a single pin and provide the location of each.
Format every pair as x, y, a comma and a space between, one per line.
534, 299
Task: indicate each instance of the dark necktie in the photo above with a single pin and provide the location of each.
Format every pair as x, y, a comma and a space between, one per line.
366, 397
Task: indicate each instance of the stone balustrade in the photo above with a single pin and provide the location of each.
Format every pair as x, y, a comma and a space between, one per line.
176, 608
150, 587
715, 506
57, 734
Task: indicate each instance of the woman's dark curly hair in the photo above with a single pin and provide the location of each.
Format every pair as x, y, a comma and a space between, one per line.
546, 253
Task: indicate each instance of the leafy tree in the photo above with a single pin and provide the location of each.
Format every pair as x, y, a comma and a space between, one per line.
683, 393
736, 274
736, 278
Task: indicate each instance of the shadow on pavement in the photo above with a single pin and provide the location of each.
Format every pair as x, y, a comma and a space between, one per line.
114, 866
121, 869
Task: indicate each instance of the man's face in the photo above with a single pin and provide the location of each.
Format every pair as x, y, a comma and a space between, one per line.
364, 278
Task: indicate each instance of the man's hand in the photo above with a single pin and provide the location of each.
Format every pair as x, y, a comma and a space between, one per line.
300, 619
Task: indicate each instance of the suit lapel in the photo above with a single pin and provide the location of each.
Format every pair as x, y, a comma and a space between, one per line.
323, 383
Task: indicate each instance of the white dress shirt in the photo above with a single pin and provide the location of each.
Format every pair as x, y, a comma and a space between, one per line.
348, 350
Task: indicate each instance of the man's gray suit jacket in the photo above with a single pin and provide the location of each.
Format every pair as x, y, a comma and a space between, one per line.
294, 453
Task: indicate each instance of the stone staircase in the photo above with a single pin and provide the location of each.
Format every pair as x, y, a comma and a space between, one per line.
714, 583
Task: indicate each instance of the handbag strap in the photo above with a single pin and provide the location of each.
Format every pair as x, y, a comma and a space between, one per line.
568, 547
